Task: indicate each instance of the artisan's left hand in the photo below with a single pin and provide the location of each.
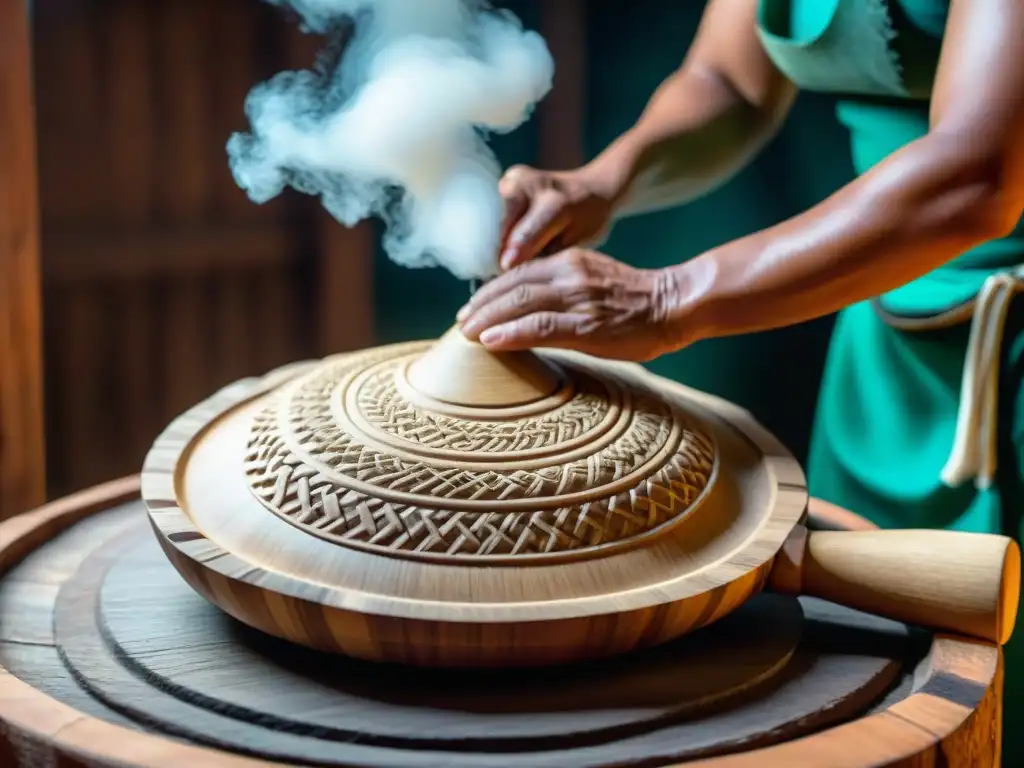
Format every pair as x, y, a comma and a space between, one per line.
577, 299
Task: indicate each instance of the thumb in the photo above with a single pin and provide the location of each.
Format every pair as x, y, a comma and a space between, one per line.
517, 202
545, 219
514, 190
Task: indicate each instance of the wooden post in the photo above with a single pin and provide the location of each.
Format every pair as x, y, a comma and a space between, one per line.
22, 470
562, 114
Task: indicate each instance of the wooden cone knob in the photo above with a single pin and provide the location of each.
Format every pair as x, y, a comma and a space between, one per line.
465, 373
966, 583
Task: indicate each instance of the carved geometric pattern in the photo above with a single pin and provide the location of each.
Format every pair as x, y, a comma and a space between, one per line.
383, 406
297, 431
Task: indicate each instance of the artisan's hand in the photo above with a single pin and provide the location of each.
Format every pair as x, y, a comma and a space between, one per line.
580, 300
549, 211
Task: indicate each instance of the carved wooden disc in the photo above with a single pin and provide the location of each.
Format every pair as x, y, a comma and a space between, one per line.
352, 453
339, 505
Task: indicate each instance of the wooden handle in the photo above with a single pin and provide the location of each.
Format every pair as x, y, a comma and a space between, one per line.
965, 583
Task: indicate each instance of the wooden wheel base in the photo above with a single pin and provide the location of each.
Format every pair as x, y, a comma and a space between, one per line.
108, 656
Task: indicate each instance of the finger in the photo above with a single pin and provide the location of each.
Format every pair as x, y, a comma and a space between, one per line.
513, 190
533, 272
541, 329
524, 299
517, 202
545, 219
515, 176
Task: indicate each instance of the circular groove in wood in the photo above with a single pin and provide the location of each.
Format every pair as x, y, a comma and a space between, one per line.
201, 547
203, 668
492, 707
588, 408
905, 729
342, 454
561, 395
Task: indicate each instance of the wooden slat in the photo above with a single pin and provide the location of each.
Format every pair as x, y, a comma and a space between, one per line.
184, 63
186, 373
22, 483
131, 131
89, 427
74, 167
562, 114
54, 386
231, 336
185, 66
274, 319
236, 32
136, 339
130, 119
344, 286
153, 253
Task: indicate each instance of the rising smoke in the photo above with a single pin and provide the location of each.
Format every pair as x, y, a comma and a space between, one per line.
395, 126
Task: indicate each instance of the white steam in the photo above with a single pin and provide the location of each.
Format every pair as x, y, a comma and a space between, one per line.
396, 127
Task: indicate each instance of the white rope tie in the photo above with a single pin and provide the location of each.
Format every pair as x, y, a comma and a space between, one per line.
975, 449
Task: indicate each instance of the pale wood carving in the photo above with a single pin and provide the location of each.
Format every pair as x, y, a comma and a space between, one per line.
614, 511
347, 453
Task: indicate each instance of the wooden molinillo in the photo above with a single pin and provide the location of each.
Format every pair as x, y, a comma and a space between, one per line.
107, 658
438, 505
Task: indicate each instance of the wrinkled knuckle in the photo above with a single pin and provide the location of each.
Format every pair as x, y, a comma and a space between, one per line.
521, 295
516, 172
553, 200
508, 186
666, 295
515, 180
578, 263
574, 258
544, 326
574, 255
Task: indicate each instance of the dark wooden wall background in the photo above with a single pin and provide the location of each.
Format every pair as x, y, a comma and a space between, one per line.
161, 280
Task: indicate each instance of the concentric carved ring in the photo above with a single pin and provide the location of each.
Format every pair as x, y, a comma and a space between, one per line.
343, 453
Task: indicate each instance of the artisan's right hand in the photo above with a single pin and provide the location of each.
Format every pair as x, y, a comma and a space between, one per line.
549, 211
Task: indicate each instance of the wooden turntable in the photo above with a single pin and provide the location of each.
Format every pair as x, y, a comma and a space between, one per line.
438, 505
559, 524
107, 658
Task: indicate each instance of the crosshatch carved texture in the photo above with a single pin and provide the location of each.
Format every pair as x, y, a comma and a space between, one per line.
383, 406
297, 432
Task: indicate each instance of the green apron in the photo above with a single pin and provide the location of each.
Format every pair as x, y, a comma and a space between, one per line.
904, 435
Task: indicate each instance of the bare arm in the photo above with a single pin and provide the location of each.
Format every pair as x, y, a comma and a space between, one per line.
705, 122
957, 187
960, 185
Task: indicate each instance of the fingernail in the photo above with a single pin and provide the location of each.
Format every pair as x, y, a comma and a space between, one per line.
507, 257
490, 336
463, 313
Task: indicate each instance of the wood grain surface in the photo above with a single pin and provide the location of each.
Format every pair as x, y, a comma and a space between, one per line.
141, 640
384, 605
22, 463
948, 713
613, 514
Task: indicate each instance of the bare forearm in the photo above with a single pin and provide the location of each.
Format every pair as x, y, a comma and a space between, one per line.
696, 132
919, 209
